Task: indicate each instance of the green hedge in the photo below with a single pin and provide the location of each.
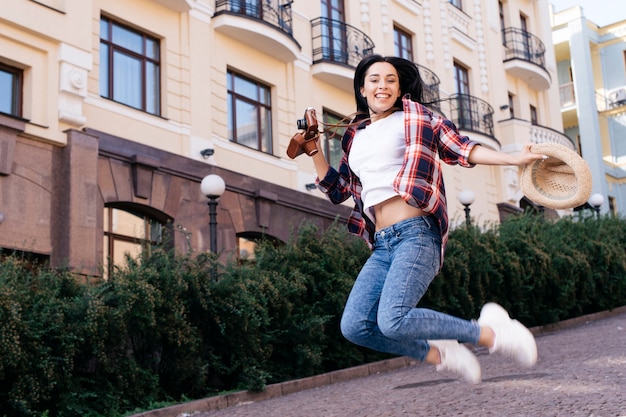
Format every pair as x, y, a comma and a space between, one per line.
161, 329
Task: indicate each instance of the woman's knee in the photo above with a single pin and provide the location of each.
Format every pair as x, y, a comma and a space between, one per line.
353, 330
390, 327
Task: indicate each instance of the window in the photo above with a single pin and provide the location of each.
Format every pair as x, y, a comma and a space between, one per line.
456, 3
250, 113
464, 104
525, 36
246, 248
511, 106
334, 34
10, 90
402, 44
127, 232
252, 8
130, 67
247, 243
533, 115
332, 138
612, 206
461, 79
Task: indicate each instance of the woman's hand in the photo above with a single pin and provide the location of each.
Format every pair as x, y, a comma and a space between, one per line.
527, 155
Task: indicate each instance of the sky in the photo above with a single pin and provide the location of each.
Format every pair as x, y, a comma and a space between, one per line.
600, 12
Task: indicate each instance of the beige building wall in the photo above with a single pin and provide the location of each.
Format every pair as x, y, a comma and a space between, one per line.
72, 152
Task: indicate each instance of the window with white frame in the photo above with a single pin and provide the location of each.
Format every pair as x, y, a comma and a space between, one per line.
249, 113
130, 67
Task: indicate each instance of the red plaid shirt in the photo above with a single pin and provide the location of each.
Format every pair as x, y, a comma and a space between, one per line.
429, 139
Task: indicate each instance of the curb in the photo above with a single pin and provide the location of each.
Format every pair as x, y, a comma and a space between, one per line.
220, 402
279, 389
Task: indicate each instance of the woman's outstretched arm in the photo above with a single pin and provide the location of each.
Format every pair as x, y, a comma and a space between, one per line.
481, 155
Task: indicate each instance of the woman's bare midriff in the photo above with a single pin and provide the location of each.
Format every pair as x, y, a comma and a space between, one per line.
394, 210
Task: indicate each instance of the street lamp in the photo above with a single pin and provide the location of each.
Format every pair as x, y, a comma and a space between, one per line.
213, 187
467, 197
596, 200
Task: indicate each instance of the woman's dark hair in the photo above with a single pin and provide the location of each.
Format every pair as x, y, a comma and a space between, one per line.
410, 80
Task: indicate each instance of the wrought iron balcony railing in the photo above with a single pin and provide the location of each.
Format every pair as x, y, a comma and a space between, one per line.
277, 13
523, 45
472, 114
337, 42
430, 82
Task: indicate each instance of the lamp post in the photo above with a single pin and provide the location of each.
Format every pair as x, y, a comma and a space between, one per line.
467, 197
213, 187
596, 200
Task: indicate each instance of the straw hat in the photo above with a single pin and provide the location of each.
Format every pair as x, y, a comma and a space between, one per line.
561, 181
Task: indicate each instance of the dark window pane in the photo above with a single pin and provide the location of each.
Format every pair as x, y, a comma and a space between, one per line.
152, 88
127, 80
127, 39
104, 70
152, 49
266, 130
333, 139
7, 92
229, 106
247, 124
10, 90
246, 88
104, 29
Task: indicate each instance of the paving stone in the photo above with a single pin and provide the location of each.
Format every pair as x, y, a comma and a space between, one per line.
581, 371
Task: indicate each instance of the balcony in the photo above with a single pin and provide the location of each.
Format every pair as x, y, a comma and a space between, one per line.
430, 83
611, 102
533, 133
337, 50
544, 134
474, 115
262, 25
567, 94
568, 105
525, 58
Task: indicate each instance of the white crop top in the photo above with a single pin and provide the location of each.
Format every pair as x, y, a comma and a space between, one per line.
376, 156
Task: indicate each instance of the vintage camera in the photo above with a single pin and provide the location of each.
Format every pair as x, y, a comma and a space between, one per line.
308, 122
305, 141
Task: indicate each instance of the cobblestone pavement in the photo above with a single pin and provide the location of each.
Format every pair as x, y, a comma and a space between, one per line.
581, 371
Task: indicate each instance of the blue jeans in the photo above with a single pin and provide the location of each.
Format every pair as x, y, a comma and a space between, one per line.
381, 311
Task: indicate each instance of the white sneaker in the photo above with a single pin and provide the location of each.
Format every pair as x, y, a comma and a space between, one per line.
513, 339
456, 358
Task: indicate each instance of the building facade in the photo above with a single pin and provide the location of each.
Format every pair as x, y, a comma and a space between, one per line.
112, 112
591, 69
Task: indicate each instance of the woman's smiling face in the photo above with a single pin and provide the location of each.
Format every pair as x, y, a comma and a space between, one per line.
381, 88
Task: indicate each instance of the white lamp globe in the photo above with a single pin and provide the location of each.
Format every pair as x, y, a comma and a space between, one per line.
212, 186
467, 197
596, 200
